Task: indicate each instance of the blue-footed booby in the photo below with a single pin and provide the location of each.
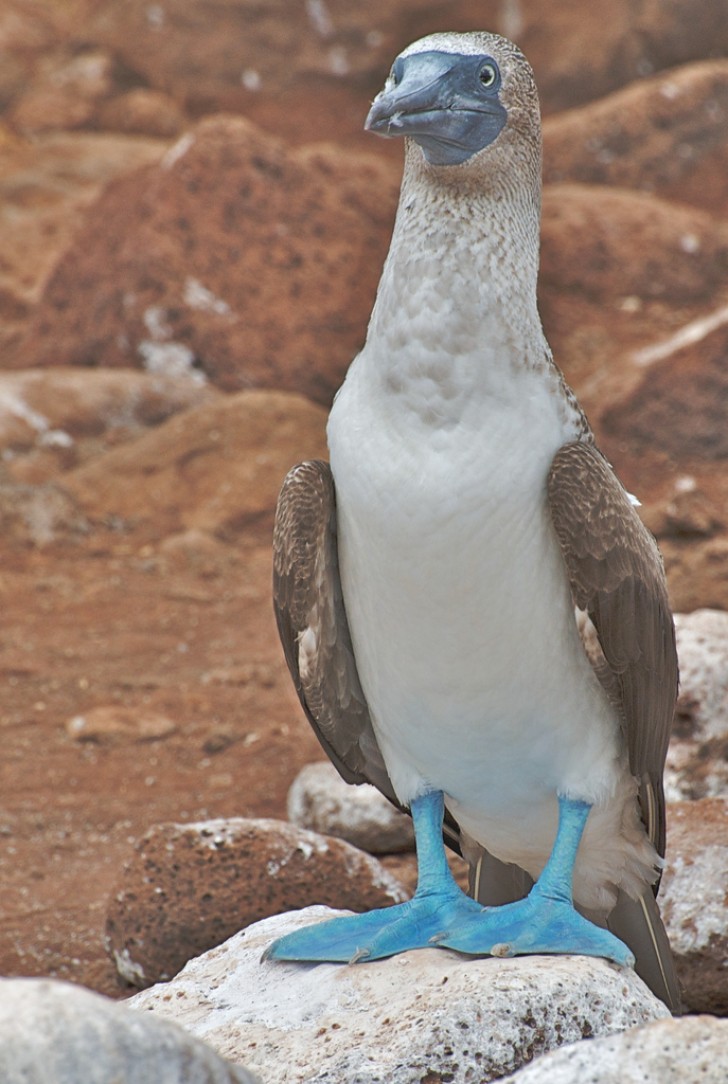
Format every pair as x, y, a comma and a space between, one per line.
433, 584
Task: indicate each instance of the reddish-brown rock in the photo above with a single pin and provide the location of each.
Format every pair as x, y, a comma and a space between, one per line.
609, 243
677, 410
107, 724
620, 271
45, 182
189, 887
66, 92
665, 135
218, 468
143, 112
581, 52
35, 405
257, 264
693, 900
667, 431
306, 70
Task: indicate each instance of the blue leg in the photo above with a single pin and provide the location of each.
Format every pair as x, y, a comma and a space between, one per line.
545, 921
437, 906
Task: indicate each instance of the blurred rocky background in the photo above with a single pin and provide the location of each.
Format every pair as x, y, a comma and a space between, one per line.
192, 226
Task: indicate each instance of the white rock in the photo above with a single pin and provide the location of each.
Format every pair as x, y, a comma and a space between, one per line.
428, 1014
692, 1049
694, 900
57, 1033
697, 766
319, 799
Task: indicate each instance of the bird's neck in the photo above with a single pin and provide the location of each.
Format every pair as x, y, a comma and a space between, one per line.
459, 284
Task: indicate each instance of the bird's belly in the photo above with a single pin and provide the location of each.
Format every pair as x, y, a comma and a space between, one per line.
465, 638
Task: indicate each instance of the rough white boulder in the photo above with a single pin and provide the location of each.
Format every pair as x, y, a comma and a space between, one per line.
56, 1033
319, 799
697, 761
691, 1049
694, 900
425, 1015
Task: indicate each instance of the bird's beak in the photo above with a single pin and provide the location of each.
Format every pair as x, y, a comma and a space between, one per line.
435, 98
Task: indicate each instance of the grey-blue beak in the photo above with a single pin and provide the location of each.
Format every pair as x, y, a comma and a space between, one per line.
447, 102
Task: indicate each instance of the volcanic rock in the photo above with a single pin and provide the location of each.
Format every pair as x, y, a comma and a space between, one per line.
254, 263
45, 183
664, 135
218, 468
107, 724
189, 887
61, 405
65, 93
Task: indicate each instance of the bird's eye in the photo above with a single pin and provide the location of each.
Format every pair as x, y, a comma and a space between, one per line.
396, 73
488, 75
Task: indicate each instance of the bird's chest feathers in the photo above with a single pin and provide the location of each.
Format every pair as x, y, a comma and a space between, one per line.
432, 499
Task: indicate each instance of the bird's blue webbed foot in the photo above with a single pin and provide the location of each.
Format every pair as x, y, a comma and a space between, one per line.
440, 914
546, 920
438, 907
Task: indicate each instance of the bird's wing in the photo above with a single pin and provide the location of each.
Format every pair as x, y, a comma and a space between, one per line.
617, 578
313, 628
314, 631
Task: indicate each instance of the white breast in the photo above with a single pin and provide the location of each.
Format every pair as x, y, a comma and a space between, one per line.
459, 607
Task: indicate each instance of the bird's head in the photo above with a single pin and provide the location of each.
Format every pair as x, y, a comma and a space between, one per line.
455, 95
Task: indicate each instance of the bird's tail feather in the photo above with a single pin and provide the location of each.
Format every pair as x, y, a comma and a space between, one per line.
639, 925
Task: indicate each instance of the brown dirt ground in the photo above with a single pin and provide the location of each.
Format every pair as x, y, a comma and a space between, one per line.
106, 621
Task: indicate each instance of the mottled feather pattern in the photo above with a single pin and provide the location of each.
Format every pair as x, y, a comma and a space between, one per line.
616, 576
307, 596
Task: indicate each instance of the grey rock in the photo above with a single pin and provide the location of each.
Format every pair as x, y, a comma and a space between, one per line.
424, 1015
697, 761
56, 1033
691, 1049
694, 901
319, 799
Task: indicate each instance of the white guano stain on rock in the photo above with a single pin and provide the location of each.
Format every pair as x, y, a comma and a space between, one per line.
198, 297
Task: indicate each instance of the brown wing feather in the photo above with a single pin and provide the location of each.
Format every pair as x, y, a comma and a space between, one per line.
307, 596
617, 577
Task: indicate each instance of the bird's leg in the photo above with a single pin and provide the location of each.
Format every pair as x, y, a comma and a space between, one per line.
437, 906
546, 920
